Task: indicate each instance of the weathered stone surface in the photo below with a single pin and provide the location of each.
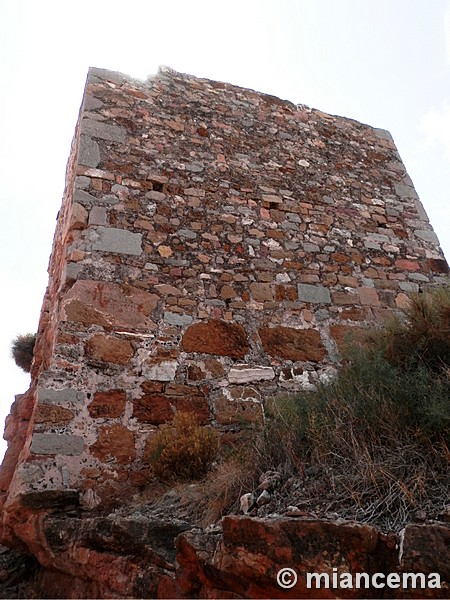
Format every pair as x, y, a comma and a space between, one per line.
177, 320
114, 441
347, 336
316, 294
49, 413
78, 217
425, 549
261, 291
110, 404
368, 296
246, 374
428, 235
109, 349
244, 559
88, 152
292, 344
56, 443
216, 337
120, 241
160, 370
110, 304
153, 408
69, 395
104, 131
240, 405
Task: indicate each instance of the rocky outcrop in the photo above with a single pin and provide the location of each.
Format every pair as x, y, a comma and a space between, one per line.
145, 556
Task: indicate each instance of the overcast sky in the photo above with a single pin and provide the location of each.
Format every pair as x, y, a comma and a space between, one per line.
382, 62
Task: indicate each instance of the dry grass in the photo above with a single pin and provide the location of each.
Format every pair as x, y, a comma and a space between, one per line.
374, 444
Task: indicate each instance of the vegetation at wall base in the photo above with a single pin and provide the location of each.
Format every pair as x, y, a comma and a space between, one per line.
22, 348
182, 450
373, 445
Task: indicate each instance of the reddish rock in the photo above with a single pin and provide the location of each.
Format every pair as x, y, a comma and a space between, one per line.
152, 408
244, 560
114, 441
292, 344
109, 304
439, 265
216, 337
109, 349
238, 405
51, 413
109, 404
187, 398
151, 387
407, 265
368, 296
426, 550
346, 336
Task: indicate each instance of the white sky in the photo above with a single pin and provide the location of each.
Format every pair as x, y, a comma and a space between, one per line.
382, 62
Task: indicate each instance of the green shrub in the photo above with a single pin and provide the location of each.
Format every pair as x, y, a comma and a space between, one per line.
22, 348
182, 450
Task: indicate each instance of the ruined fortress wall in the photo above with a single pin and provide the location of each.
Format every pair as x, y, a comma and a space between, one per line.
214, 247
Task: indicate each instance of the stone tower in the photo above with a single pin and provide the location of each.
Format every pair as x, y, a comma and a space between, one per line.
214, 247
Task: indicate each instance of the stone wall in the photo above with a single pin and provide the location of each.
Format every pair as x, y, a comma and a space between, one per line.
214, 247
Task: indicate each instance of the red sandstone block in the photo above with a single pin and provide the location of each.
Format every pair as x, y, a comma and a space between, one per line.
407, 265
114, 441
368, 296
109, 349
109, 404
292, 344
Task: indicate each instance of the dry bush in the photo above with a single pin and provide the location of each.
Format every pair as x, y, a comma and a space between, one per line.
22, 348
423, 337
182, 450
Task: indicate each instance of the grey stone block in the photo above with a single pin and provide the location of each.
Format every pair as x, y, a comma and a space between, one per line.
418, 277
316, 294
55, 443
427, 235
383, 134
88, 152
82, 182
97, 215
187, 233
112, 76
421, 211
119, 241
405, 191
84, 198
51, 396
91, 103
176, 319
103, 131
407, 286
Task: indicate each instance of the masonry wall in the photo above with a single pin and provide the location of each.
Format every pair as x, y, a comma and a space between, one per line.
214, 247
